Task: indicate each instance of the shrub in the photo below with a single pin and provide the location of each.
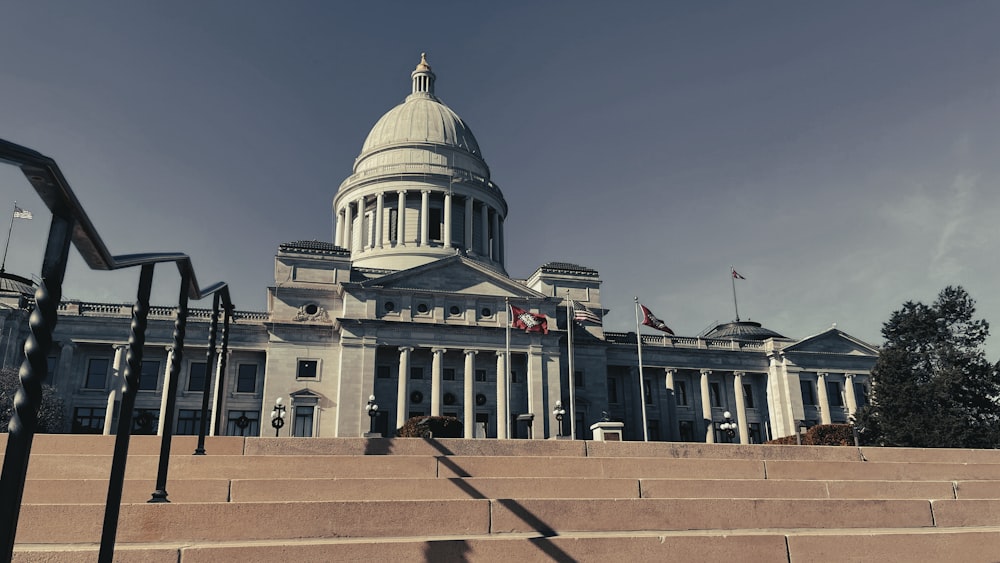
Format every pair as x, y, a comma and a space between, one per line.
51, 413
821, 435
431, 427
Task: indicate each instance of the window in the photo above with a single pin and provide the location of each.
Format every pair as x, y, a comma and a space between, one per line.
243, 423
50, 366
303, 421
454, 311
480, 375
686, 428
653, 429
246, 379
748, 395
145, 422
647, 389
393, 224
196, 376
88, 420
308, 369
449, 374
149, 376
861, 394
612, 390
513, 376
714, 395
383, 372
97, 375
681, 393
808, 396
833, 394
578, 378
434, 226
755, 436
188, 422
416, 373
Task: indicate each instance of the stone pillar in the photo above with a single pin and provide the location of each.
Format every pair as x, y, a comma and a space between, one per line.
852, 398
741, 408
402, 395
502, 412
65, 365
536, 393
469, 402
469, 239
436, 380
673, 433
824, 400
503, 250
379, 211
348, 236
485, 214
221, 362
117, 372
495, 217
163, 392
361, 225
401, 219
447, 220
425, 223
338, 233
706, 408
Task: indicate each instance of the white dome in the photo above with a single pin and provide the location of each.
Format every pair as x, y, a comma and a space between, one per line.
422, 118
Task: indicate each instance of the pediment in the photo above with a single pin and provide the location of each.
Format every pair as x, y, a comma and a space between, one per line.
833, 341
453, 275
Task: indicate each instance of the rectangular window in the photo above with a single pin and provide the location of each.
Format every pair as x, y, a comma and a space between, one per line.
97, 375
393, 224
681, 392
383, 372
149, 376
612, 390
88, 420
434, 224
448, 374
748, 395
480, 375
808, 396
860, 394
416, 373
653, 428
308, 369
647, 388
246, 380
196, 376
243, 423
833, 394
714, 395
755, 435
145, 422
188, 422
578, 378
513, 376
686, 428
303, 421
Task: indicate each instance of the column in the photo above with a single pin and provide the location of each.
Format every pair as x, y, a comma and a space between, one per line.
117, 371
495, 217
852, 399
485, 214
469, 400
348, 227
536, 393
338, 235
424, 219
673, 432
402, 396
379, 211
741, 408
222, 362
503, 250
163, 392
706, 408
469, 248
447, 220
502, 411
436, 369
401, 219
65, 366
824, 400
361, 225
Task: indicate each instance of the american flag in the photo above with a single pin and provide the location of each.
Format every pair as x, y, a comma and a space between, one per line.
582, 314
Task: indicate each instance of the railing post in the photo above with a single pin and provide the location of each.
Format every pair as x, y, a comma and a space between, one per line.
34, 370
200, 450
130, 386
180, 327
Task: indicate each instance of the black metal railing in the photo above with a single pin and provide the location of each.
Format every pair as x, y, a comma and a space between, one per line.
70, 225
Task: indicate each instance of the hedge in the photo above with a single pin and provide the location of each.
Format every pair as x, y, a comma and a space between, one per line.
431, 427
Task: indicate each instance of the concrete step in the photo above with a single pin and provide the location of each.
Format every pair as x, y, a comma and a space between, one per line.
882, 471
93, 444
95, 491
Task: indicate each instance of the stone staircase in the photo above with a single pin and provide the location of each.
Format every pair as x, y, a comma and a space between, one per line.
349, 499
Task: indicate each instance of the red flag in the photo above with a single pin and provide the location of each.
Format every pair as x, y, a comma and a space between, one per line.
649, 319
737, 276
528, 322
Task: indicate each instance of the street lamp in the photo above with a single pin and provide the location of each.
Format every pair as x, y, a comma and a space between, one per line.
278, 416
372, 409
559, 412
729, 425
854, 430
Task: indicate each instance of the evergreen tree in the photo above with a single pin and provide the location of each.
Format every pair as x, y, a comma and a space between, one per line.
932, 385
51, 414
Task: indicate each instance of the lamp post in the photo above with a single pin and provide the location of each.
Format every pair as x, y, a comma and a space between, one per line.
729, 425
559, 413
854, 430
372, 409
278, 416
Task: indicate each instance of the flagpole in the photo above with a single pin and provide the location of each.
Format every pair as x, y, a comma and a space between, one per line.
7, 245
570, 314
732, 278
642, 381
506, 375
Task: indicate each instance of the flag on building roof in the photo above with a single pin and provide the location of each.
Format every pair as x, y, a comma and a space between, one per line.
650, 320
582, 314
736, 275
21, 214
527, 321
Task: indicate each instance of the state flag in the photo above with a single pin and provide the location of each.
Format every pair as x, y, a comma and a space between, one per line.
650, 320
527, 321
737, 276
22, 214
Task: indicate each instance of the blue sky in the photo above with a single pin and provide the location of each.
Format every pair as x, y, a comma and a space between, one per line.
842, 155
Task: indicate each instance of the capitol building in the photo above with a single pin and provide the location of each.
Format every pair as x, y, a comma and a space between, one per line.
410, 303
